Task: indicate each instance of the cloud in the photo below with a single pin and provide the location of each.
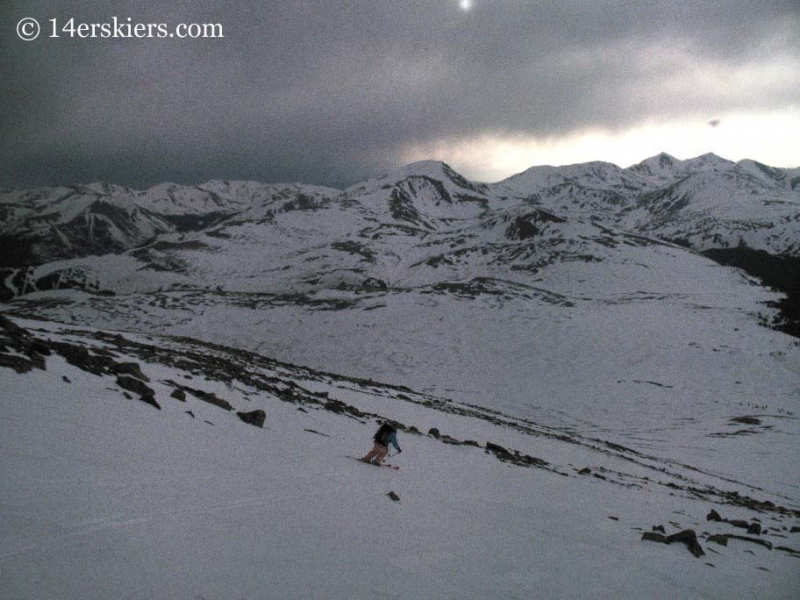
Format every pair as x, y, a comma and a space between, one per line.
330, 92
492, 157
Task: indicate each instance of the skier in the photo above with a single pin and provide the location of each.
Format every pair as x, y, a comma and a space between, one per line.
386, 434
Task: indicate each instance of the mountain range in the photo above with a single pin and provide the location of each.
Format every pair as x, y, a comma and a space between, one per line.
706, 202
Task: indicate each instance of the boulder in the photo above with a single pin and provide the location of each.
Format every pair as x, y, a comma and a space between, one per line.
129, 368
255, 417
720, 539
137, 386
714, 516
687, 536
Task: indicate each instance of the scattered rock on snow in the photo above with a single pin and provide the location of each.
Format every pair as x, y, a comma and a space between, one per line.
209, 397
752, 528
394, 496
27, 353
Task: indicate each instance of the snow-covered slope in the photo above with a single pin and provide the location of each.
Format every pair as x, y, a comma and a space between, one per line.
127, 473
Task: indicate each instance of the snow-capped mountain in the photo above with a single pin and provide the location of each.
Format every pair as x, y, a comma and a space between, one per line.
706, 202
46, 224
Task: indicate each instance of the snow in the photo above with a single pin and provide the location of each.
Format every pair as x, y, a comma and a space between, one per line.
563, 339
108, 497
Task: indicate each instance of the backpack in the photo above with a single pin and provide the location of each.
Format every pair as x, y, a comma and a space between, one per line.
383, 434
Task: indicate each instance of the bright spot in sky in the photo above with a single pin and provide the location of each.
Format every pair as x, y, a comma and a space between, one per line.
770, 138
465, 5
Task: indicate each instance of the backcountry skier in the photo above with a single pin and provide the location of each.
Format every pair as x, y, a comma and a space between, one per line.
386, 434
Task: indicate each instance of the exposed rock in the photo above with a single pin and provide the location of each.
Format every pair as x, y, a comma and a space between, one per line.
434, 432
687, 536
137, 386
752, 528
746, 420
256, 417
744, 538
178, 394
449, 440
516, 457
499, 451
714, 516
340, 407
659, 528
585, 471
209, 397
720, 539
394, 496
738, 523
317, 432
40, 348
129, 368
27, 352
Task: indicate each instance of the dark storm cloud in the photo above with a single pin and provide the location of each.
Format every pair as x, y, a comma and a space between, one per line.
326, 92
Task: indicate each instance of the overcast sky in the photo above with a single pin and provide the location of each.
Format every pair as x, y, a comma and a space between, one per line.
334, 91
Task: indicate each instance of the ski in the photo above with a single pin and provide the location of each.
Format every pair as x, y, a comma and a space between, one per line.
394, 467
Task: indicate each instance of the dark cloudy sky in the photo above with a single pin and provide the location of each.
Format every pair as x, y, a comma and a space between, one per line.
334, 91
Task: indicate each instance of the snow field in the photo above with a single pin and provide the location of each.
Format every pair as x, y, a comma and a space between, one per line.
103, 496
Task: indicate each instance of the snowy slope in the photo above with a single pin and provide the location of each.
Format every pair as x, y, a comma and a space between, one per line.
104, 495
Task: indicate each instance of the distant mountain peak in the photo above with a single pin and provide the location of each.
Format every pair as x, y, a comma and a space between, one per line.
659, 165
433, 169
709, 159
